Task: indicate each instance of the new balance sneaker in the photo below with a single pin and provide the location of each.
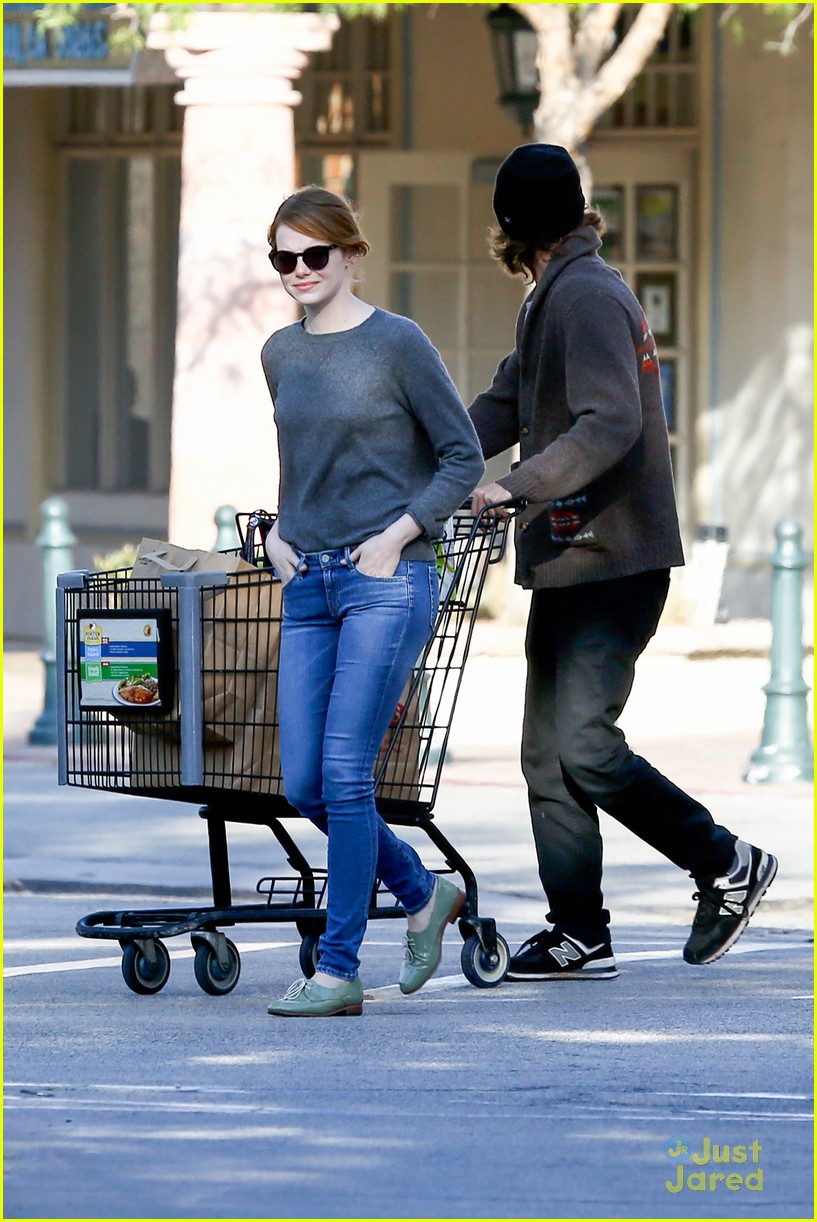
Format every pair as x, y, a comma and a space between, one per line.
554, 955
725, 904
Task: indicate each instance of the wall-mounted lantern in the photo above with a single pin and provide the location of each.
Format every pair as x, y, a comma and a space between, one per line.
514, 43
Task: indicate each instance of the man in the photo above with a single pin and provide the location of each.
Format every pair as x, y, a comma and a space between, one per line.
581, 394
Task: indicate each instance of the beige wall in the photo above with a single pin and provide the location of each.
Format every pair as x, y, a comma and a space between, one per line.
453, 83
763, 384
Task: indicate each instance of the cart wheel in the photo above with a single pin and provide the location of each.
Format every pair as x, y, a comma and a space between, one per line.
210, 975
477, 967
308, 955
139, 973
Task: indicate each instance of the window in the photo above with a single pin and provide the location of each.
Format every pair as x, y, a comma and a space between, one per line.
663, 95
122, 185
647, 240
347, 90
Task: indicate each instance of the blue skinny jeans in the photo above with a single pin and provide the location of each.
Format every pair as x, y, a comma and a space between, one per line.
348, 644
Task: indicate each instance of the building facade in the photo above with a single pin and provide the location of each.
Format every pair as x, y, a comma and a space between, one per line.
138, 191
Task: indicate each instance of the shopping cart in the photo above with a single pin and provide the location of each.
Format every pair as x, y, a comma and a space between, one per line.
200, 726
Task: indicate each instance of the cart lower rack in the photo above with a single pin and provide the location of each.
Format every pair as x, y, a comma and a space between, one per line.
167, 689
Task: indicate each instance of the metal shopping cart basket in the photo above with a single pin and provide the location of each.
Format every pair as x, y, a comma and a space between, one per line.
167, 689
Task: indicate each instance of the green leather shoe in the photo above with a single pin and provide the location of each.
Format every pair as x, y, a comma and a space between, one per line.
424, 950
305, 999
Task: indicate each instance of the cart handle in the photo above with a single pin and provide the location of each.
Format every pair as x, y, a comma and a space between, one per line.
514, 505
262, 521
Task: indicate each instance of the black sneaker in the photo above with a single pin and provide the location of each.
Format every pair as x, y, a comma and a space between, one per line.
553, 955
725, 904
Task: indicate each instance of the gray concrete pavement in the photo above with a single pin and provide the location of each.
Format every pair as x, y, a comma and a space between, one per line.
523, 1101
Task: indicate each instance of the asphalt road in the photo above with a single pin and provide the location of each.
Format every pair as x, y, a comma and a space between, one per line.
524, 1101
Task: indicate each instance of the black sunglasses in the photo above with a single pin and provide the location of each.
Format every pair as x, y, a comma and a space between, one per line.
314, 257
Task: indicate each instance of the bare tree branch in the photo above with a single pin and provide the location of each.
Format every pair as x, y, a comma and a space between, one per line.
786, 44
552, 24
553, 18
594, 37
623, 66
554, 58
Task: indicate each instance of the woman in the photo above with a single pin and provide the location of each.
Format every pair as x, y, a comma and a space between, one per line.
376, 452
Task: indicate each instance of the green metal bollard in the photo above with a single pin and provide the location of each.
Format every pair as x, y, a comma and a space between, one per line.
57, 540
226, 532
785, 752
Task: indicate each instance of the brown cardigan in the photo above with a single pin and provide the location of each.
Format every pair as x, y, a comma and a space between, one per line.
581, 394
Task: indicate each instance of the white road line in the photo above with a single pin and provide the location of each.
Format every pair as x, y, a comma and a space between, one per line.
501, 1109
643, 956
27, 1088
388, 991
742, 948
79, 965
102, 1097
30, 1088
732, 1094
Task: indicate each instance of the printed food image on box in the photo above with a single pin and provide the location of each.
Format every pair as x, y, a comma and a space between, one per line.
119, 662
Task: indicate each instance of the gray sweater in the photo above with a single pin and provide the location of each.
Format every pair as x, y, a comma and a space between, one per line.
581, 394
370, 426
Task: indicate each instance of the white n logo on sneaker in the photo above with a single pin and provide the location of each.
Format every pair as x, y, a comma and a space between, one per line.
565, 953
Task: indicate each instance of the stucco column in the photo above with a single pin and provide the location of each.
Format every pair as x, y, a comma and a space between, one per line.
238, 163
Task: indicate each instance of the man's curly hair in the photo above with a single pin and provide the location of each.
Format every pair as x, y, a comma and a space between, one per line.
516, 257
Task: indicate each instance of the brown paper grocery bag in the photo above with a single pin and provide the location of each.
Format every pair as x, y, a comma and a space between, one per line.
401, 776
240, 638
235, 673
241, 628
154, 557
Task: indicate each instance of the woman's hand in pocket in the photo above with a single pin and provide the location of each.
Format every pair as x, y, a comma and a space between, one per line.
379, 555
376, 557
282, 557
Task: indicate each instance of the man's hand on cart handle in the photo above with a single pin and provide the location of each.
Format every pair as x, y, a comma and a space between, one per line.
282, 557
494, 501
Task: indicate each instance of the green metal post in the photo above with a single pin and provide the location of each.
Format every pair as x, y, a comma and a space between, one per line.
226, 532
785, 752
57, 540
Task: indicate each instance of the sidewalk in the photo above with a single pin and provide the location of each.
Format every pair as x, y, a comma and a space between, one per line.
696, 712
504, 643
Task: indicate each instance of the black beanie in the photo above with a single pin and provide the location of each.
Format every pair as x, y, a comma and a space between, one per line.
538, 194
